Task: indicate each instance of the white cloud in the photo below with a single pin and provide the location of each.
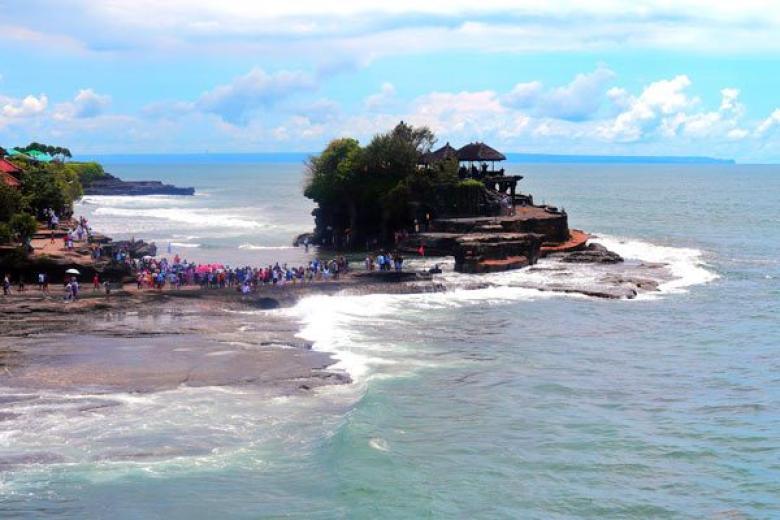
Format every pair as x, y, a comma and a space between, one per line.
16, 109
736, 134
257, 89
86, 104
298, 128
381, 99
769, 123
619, 97
650, 110
579, 100
729, 102
524, 95
373, 28
447, 112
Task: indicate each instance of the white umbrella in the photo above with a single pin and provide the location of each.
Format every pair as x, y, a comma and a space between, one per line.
72, 271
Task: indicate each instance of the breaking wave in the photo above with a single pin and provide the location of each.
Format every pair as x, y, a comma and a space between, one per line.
263, 248
331, 322
200, 218
686, 265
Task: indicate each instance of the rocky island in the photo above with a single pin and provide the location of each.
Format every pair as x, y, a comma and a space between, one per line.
111, 185
399, 194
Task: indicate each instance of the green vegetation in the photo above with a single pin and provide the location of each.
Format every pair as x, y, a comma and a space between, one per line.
50, 185
44, 185
365, 194
54, 151
10, 202
5, 233
23, 225
86, 172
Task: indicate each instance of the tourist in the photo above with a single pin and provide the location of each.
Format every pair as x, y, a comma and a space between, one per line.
6, 285
398, 260
95, 283
74, 287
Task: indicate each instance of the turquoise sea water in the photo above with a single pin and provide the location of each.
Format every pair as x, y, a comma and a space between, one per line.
500, 402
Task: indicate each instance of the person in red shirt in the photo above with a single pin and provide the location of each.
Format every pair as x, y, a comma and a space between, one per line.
95, 283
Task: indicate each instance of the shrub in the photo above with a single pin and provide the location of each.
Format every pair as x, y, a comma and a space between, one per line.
5, 233
10, 202
24, 225
470, 183
87, 172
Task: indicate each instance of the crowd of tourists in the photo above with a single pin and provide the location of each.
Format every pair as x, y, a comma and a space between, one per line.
384, 262
154, 273
158, 273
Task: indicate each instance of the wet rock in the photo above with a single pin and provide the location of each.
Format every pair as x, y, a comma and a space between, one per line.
264, 303
605, 292
135, 248
593, 254
643, 284
653, 265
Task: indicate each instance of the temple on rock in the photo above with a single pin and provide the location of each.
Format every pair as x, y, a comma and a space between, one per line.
503, 230
398, 192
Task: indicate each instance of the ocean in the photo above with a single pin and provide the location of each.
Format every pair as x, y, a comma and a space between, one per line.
492, 402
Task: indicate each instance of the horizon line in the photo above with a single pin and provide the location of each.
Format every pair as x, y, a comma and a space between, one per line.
527, 156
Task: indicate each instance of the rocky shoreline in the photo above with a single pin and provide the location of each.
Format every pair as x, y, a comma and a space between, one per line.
153, 341
148, 341
110, 185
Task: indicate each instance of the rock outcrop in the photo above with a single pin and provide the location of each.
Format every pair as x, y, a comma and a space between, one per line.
134, 248
593, 254
110, 185
491, 244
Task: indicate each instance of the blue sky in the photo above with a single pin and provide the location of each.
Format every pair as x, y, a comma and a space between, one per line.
606, 77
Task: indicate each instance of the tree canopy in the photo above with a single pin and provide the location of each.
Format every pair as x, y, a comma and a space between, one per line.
54, 151
54, 185
366, 193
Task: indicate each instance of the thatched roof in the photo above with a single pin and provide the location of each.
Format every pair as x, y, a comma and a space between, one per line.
442, 154
477, 152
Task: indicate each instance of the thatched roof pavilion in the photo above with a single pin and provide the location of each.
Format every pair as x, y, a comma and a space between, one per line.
442, 154
479, 152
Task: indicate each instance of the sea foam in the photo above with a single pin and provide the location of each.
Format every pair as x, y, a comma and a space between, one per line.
329, 321
686, 265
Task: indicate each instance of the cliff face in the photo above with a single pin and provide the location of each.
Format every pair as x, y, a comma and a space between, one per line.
490, 244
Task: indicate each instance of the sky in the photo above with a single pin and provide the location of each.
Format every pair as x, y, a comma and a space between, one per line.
603, 77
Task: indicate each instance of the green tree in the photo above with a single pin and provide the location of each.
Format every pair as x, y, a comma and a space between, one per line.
5, 233
10, 202
370, 190
42, 189
24, 225
87, 172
